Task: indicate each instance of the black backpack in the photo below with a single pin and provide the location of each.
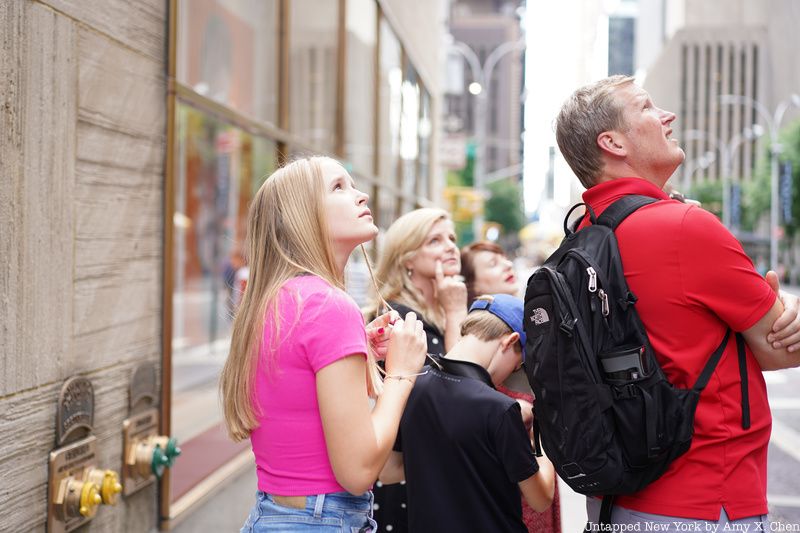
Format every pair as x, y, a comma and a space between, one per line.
606, 414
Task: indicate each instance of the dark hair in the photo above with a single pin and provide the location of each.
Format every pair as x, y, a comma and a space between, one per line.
468, 264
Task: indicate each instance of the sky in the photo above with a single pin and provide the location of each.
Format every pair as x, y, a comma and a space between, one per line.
567, 47
564, 51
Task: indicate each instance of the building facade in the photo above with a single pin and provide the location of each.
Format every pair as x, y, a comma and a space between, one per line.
483, 27
713, 48
132, 137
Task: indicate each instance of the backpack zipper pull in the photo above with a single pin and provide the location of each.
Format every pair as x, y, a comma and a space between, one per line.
603, 302
592, 279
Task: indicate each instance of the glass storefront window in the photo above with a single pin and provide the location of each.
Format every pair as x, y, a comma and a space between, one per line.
424, 130
218, 169
228, 52
409, 133
360, 89
313, 37
391, 80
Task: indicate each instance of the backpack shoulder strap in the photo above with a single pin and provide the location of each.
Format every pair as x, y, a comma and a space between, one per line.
711, 365
619, 210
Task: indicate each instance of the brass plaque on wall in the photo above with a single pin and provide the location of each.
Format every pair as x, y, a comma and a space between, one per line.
75, 412
143, 387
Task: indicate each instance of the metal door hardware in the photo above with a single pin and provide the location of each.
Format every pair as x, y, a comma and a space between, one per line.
76, 485
146, 453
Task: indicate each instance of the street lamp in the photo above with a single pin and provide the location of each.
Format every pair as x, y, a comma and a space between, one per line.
482, 77
773, 124
699, 163
727, 152
747, 134
690, 167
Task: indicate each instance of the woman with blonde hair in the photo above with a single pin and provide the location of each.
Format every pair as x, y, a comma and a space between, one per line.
300, 369
419, 269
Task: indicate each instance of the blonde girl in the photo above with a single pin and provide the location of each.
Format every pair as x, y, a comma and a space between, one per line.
297, 378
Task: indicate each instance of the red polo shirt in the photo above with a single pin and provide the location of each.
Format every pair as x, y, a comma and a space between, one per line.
693, 280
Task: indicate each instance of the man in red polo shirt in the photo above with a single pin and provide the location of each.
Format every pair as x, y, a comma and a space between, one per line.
693, 281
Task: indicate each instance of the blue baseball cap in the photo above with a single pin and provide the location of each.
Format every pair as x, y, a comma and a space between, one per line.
508, 309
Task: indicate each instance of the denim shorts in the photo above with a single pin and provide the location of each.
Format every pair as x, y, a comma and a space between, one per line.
338, 512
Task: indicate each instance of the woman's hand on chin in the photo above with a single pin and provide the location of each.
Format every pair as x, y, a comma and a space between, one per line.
451, 291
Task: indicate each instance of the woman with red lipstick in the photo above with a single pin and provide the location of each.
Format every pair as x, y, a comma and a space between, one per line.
419, 268
487, 270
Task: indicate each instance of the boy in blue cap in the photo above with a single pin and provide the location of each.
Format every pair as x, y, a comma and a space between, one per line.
462, 447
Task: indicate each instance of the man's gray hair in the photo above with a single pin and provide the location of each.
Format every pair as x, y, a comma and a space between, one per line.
590, 111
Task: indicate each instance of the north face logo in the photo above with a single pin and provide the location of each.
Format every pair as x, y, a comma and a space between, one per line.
540, 316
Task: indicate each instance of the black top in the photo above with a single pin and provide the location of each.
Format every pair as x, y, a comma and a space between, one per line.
465, 449
390, 510
435, 337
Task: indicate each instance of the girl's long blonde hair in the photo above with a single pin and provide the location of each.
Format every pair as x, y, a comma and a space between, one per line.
402, 240
287, 235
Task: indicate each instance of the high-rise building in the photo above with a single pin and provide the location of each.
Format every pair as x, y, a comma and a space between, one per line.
692, 51
483, 26
622, 39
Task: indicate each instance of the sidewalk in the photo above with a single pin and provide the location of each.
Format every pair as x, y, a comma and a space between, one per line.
573, 509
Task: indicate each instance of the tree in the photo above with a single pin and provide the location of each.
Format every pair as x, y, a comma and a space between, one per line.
756, 192
504, 206
709, 194
790, 139
755, 196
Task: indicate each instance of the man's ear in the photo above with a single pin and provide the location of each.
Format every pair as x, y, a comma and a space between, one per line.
610, 142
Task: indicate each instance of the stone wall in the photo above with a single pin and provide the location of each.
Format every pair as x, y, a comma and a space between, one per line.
82, 147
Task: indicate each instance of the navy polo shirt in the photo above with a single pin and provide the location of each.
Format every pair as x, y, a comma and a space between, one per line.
390, 509
465, 449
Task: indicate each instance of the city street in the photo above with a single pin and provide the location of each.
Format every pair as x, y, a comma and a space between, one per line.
783, 481
196, 407
783, 472
167, 163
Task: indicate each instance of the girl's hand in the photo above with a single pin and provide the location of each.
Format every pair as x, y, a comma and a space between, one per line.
378, 333
407, 347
